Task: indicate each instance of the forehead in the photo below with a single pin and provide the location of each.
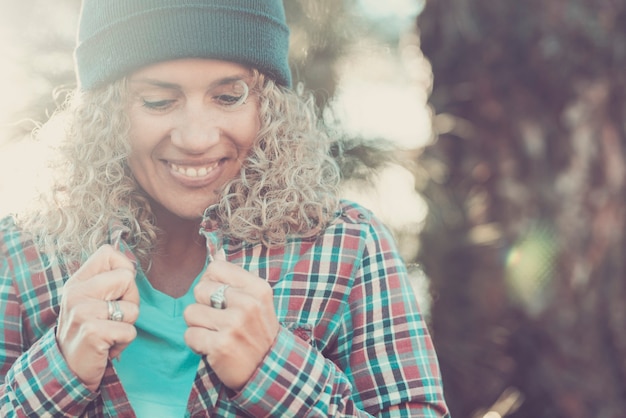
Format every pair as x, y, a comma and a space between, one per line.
187, 72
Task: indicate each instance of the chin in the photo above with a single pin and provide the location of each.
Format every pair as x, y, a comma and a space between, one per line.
190, 215
177, 212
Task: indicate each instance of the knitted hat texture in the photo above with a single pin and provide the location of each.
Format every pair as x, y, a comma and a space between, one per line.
117, 37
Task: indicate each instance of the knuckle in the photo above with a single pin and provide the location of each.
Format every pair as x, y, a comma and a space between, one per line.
125, 275
192, 337
79, 313
123, 334
90, 330
104, 251
265, 292
132, 312
214, 266
188, 313
239, 318
68, 299
254, 308
189, 336
106, 248
223, 348
131, 333
200, 290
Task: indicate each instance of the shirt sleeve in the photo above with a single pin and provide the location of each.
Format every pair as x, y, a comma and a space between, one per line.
34, 380
383, 365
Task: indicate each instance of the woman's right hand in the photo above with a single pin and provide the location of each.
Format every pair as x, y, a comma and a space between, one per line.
86, 336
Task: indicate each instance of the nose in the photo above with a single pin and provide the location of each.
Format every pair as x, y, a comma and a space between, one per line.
196, 130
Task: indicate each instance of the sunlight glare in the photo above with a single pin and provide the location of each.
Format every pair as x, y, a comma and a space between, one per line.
392, 9
384, 110
392, 197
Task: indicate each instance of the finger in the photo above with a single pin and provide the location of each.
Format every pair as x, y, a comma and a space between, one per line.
199, 339
104, 259
199, 315
116, 349
220, 255
130, 311
109, 285
249, 290
117, 332
234, 353
118, 336
95, 310
222, 272
245, 310
101, 335
206, 288
228, 273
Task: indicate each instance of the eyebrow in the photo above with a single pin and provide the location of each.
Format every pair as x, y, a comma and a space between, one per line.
174, 86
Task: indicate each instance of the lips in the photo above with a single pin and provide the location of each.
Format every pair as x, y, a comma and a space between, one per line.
193, 172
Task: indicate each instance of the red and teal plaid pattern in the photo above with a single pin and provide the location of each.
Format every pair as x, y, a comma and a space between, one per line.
353, 342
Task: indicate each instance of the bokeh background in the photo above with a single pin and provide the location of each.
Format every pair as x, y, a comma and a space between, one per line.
489, 135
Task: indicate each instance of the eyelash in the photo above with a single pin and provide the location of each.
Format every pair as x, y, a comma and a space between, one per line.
227, 101
161, 105
231, 101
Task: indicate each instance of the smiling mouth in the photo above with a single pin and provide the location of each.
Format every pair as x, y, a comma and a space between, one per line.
194, 172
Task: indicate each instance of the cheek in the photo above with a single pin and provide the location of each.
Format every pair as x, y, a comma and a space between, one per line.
136, 152
142, 137
137, 169
141, 150
249, 128
133, 162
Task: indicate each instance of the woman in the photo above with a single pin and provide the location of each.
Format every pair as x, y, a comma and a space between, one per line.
288, 302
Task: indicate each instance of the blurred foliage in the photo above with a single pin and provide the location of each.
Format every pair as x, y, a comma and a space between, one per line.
525, 238
320, 34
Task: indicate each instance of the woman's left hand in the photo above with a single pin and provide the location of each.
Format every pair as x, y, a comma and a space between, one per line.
235, 339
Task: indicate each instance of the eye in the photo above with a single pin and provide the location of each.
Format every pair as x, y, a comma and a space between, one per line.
232, 95
158, 104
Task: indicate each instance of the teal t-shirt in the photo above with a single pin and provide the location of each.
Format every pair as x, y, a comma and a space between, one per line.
157, 369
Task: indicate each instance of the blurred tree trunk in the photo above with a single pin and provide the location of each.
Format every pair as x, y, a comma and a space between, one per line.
525, 242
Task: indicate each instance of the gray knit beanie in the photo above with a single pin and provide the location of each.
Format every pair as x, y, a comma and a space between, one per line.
116, 37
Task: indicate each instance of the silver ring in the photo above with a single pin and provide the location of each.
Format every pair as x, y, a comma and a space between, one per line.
218, 300
115, 313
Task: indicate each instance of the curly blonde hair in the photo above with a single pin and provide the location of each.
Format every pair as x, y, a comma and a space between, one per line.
288, 185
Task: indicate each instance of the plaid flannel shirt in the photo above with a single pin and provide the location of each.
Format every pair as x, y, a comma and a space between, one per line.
352, 341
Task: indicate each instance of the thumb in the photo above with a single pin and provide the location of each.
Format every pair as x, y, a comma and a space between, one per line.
106, 258
220, 255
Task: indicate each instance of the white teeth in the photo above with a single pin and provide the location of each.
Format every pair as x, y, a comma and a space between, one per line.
193, 172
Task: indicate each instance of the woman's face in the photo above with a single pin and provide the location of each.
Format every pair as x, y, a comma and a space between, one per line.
193, 122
